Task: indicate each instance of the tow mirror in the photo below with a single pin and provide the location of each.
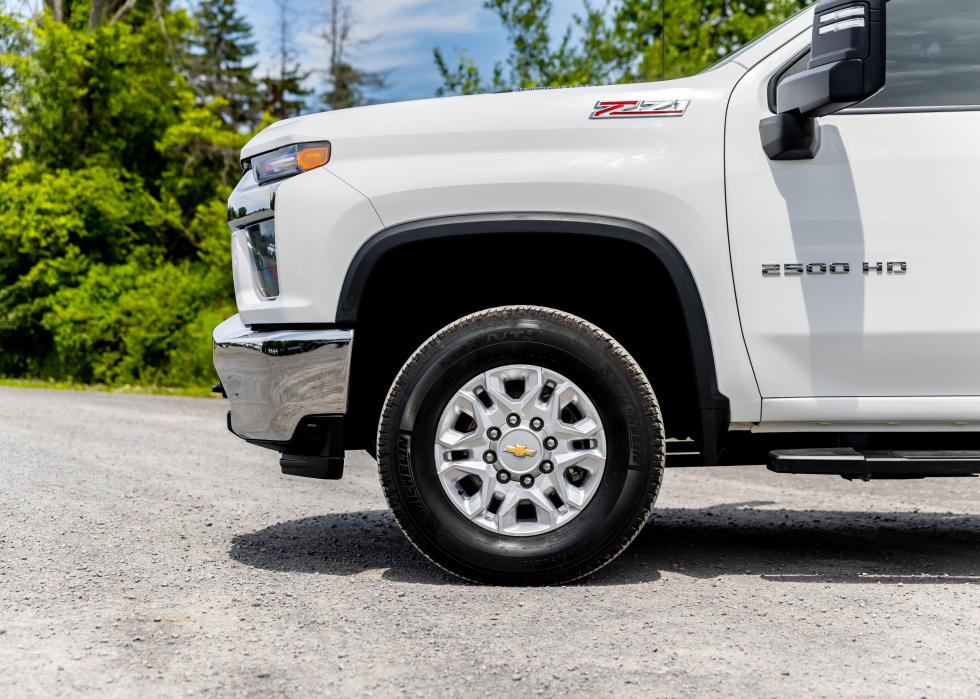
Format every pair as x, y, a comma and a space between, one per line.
847, 66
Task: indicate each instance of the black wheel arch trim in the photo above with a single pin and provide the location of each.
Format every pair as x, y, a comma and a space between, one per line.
713, 405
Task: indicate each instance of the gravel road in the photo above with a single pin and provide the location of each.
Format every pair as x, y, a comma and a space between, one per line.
144, 551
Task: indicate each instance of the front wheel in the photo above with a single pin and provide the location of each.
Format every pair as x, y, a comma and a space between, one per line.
521, 445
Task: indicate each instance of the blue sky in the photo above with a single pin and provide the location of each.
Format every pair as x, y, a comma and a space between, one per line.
404, 32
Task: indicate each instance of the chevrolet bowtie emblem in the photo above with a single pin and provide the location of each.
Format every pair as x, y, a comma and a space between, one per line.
520, 451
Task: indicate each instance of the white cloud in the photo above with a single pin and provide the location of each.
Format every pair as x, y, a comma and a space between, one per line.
394, 17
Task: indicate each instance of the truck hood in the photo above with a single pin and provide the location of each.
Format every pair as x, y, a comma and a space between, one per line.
455, 122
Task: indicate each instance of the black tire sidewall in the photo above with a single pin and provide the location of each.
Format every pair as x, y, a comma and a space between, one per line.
431, 379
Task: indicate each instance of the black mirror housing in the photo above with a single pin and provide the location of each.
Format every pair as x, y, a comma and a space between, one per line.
847, 59
790, 136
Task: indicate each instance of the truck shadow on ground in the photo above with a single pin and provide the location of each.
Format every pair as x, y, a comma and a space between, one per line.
738, 539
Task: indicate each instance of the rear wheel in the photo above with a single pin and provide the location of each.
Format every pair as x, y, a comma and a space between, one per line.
521, 445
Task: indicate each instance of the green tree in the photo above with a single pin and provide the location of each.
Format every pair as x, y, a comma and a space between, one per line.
698, 33
348, 83
464, 77
622, 41
90, 13
284, 93
220, 63
532, 62
115, 176
12, 40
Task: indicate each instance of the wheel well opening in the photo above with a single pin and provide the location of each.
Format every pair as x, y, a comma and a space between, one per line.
620, 286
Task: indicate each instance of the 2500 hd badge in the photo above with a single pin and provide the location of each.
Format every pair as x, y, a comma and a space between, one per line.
797, 269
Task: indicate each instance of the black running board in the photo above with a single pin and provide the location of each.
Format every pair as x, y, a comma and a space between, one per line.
851, 463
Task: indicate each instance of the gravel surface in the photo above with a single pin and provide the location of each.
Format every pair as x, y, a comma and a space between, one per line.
146, 551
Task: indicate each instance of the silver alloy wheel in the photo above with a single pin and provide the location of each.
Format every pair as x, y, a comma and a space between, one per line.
520, 450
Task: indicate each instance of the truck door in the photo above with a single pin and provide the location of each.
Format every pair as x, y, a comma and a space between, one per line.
858, 272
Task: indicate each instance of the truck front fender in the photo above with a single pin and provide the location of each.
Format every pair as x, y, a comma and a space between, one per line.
714, 407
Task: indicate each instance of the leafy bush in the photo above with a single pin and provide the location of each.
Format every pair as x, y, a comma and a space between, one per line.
146, 321
114, 254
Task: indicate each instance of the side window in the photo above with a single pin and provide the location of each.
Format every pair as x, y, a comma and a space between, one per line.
933, 55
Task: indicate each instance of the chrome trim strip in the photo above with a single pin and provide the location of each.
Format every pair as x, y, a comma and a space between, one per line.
909, 110
274, 379
251, 202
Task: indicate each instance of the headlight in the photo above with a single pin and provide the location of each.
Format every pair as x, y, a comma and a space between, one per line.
289, 161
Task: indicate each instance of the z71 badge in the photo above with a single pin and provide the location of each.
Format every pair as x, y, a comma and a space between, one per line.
638, 109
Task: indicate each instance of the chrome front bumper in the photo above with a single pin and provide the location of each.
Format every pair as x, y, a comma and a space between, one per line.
275, 379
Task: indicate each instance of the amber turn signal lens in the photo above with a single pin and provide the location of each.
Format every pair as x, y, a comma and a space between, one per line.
312, 157
289, 161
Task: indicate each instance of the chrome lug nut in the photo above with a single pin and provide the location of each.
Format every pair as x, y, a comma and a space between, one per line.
490, 456
546, 467
503, 476
513, 419
536, 423
550, 443
527, 480
493, 434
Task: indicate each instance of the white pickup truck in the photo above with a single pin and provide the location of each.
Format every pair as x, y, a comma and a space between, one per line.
525, 304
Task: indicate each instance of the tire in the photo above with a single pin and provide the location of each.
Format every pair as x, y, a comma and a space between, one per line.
620, 473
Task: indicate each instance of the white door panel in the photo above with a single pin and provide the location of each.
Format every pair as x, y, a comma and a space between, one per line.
885, 187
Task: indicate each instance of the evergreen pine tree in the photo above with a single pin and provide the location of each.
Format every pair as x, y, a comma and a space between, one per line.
223, 46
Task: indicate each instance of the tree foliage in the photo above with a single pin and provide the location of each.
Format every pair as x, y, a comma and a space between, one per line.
89, 13
347, 84
284, 92
221, 62
114, 172
618, 41
121, 123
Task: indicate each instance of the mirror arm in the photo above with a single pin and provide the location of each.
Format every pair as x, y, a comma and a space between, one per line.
846, 66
